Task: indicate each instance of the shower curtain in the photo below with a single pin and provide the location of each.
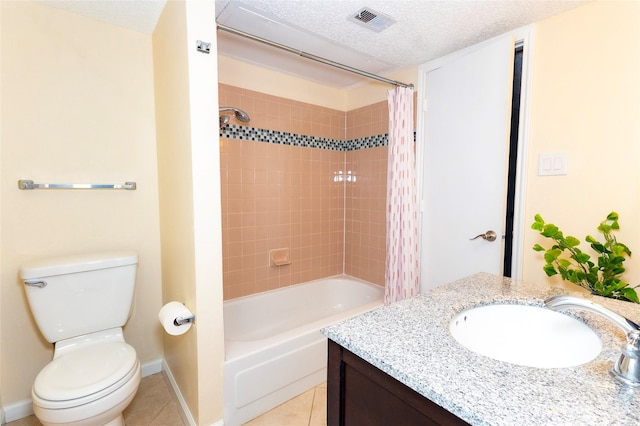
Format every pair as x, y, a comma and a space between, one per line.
402, 261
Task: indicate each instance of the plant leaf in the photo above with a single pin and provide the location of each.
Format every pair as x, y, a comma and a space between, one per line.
538, 223
551, 231
551, 255
582, 257
550, 270
603, 278
604, 228
630, 294
572, 241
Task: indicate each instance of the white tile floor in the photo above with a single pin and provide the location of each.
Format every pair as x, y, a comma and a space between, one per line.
308, 409
155, 405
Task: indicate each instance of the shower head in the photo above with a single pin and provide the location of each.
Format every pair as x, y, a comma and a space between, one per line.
238, 113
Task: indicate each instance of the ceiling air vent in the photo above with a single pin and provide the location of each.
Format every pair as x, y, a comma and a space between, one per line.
371, 19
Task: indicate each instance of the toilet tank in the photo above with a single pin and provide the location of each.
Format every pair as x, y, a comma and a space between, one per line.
75, 295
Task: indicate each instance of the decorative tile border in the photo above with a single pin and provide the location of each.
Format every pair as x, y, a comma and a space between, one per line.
367, 142
234, 131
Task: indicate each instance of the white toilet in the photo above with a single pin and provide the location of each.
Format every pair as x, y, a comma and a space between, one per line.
80, 304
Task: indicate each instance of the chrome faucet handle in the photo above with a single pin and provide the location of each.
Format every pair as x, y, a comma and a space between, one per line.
627, 368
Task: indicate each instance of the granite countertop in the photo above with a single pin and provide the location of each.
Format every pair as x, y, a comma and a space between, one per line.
410, 341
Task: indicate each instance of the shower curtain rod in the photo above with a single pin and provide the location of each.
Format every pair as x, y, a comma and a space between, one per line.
312, 57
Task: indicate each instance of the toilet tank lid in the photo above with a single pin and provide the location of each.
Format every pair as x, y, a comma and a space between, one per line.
77, 263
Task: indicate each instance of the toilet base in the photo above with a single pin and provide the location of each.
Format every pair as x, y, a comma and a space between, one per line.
95, 421
118, 421
104, 412
98, 420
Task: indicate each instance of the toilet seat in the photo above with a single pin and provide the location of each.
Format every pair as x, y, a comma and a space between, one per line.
85, 375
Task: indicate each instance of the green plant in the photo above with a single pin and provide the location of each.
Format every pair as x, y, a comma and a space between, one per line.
603, 278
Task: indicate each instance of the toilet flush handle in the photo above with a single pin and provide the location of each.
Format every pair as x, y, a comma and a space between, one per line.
36, 283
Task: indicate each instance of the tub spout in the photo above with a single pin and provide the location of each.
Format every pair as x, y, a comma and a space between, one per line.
627, 367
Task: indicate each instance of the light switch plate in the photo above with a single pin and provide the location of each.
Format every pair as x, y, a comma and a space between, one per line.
554, 164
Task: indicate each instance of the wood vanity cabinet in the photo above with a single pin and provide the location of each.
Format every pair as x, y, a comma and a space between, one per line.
360, 394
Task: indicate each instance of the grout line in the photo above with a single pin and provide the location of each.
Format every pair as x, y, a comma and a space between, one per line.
313, 400
160, 410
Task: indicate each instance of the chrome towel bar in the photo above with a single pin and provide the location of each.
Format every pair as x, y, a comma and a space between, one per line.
28, 184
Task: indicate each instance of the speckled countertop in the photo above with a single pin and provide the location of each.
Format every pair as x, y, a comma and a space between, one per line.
410, 341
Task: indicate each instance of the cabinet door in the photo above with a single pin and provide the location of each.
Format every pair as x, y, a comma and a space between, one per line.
360, 394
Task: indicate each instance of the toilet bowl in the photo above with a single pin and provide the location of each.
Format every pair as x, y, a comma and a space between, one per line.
89, 385
80, 304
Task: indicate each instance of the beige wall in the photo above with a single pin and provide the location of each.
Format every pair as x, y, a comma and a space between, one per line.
188, 164
77, 106
270, 82
171, 81
586, 102
374, 91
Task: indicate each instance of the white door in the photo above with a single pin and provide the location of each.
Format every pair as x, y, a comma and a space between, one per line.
466, 113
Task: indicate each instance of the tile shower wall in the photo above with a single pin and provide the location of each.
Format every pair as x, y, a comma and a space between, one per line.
284, 115
366, 194
284, 180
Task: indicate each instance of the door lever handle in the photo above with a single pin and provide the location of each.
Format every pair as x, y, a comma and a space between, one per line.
489, 236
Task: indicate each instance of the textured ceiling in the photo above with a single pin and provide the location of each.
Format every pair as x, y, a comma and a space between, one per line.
424, 29
137, 15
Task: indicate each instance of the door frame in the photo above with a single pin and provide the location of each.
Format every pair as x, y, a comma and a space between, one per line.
525, 37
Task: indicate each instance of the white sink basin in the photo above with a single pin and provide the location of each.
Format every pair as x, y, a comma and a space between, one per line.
526, 335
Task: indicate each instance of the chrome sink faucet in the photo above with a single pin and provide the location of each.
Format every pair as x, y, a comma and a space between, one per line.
627, 367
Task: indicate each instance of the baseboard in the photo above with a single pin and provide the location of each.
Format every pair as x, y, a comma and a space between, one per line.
185, 413
17, 410
184, 408
151, 367
24, 408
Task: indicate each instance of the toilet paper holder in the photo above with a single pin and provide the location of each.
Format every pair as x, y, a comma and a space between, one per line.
176, 318
184, 320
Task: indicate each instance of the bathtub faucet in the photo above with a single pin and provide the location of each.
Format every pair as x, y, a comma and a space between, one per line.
627, 367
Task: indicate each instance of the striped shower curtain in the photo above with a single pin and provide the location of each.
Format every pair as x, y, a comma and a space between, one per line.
402, 261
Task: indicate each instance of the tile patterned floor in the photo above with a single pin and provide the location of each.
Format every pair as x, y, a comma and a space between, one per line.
308, 409
155, 405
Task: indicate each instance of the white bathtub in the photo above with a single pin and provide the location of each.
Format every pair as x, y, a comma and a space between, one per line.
273, 346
